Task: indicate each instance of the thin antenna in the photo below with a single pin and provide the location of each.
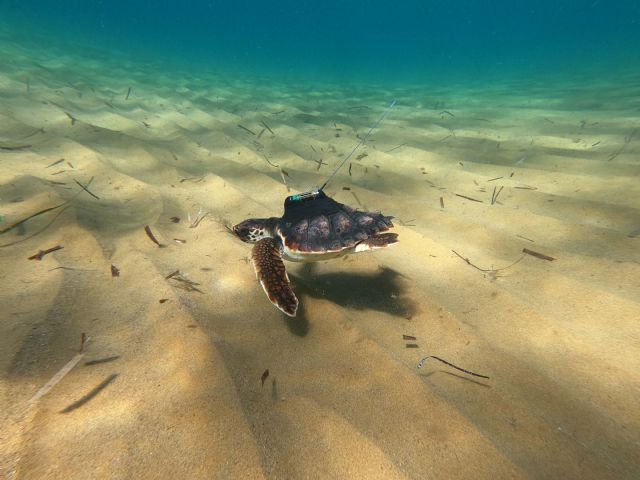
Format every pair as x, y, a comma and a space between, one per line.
362, 140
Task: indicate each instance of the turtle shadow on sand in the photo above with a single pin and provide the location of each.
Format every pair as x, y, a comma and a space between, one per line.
382, 290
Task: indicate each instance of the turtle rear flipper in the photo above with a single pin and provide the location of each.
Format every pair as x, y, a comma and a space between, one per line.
374, 242
273, 276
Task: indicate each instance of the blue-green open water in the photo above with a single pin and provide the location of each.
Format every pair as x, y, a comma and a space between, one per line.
351, 40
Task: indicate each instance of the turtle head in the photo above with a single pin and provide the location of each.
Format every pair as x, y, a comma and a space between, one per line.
253, 230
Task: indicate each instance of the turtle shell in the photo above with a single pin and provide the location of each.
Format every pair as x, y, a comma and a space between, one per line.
316, 223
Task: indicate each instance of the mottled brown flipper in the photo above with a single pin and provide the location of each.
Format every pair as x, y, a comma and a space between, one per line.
273, 276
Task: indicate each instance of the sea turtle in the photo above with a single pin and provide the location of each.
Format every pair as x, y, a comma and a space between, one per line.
314, 227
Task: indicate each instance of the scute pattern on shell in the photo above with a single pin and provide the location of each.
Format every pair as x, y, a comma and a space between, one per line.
333, 232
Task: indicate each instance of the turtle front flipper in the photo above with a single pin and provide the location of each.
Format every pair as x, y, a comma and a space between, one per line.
273, 277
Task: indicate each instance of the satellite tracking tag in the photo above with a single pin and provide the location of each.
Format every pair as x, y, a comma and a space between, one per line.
302, 197
316, 200
309, 204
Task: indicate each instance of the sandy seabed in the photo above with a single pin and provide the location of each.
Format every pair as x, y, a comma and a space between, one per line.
169, 383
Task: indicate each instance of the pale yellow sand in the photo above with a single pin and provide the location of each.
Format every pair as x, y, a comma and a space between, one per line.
179, 395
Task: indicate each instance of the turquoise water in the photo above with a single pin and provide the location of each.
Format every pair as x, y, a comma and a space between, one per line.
375, 40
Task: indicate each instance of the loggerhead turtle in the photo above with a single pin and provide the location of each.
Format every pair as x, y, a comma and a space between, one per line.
314, 227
